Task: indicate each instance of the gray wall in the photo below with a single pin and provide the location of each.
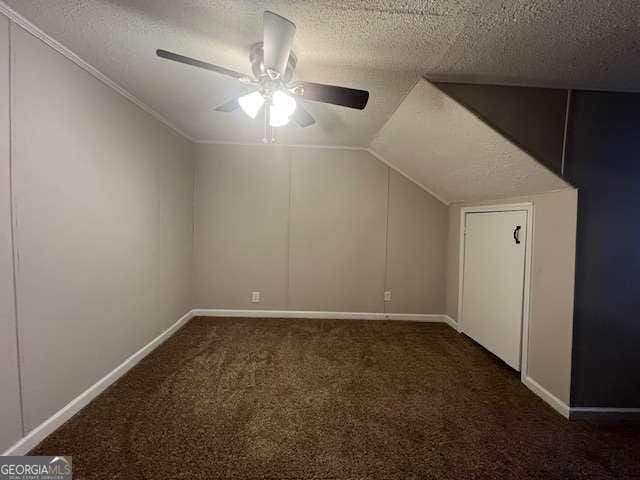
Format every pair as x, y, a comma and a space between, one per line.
417, 230
10, 423
307, 227
338, 231
552, 285
241, 209
102, 200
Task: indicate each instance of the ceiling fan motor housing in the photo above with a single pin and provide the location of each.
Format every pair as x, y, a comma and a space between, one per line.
256, 57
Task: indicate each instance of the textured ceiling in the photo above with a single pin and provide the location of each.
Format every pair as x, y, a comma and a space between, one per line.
444, 147
382, 46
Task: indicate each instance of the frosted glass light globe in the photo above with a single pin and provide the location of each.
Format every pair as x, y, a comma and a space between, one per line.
251, 103
277, 117
284, 103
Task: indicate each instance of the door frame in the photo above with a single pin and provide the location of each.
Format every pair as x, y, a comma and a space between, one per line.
526, 305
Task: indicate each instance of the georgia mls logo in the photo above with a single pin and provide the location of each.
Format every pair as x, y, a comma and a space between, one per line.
35, 468
59, 466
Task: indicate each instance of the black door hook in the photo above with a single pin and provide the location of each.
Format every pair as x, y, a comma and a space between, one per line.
516, 234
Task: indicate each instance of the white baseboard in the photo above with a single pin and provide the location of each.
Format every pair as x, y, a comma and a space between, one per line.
38, 434
557, 404
413, 317
534, 386
604, 413
451, 322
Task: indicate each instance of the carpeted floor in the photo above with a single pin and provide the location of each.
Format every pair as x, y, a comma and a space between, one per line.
332, 399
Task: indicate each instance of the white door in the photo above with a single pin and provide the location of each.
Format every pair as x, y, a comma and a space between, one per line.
493, 281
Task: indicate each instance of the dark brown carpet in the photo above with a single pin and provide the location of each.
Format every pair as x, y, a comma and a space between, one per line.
331, 399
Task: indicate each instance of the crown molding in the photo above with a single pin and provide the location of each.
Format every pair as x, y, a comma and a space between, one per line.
29, 27
289, 145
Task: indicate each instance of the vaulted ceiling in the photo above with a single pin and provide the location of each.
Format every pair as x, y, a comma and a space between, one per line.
454, 154
381, 46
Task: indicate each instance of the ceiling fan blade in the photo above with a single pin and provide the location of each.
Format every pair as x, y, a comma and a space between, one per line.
277, 43
229, 106
200, 64
345, 97
302, 117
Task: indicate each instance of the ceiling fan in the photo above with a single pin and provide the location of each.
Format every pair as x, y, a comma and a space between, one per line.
273, 64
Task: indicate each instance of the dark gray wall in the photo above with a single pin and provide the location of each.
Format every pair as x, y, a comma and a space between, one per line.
603, 161
532, 118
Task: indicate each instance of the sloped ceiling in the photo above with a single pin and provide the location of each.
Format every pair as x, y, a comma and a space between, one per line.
451, 152
382, 46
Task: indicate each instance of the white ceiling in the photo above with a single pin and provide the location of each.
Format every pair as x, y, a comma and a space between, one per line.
381, 46
451, 152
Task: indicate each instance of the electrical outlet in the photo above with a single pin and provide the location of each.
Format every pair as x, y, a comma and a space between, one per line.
387, 296
255, 297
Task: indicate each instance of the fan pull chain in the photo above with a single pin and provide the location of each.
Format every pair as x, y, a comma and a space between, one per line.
268, 136
266, 124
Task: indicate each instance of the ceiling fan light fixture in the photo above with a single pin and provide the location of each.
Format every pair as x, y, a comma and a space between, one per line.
272, 64
251, 103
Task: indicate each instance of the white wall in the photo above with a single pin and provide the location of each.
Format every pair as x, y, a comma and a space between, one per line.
552, 283
316, 229
10, 422
102, 202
